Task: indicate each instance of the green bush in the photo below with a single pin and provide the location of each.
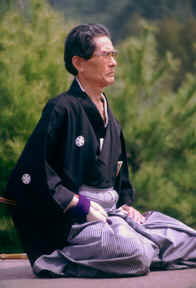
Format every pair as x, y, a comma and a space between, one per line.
159, 126
158, 123
31, 72
179, 38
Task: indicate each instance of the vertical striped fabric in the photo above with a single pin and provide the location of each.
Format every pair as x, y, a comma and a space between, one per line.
98, 249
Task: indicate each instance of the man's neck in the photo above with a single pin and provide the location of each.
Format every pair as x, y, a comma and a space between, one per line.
95, 93
97, 98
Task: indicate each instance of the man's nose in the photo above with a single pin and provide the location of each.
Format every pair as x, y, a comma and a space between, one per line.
113, 61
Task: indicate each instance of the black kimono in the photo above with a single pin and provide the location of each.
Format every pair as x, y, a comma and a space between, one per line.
61, 155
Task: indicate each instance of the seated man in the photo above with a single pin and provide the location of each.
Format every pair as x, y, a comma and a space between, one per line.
71, 183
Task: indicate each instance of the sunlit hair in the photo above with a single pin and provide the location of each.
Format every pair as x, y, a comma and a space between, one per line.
80, 42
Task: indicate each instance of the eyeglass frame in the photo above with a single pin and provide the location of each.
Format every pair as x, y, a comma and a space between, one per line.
107, 54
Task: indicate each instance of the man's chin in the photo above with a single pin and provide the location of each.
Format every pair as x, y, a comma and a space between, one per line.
110, 80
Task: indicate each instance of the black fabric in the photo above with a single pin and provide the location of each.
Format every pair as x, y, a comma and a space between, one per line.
56, 166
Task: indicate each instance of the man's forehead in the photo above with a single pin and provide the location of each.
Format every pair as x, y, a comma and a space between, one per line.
103, 43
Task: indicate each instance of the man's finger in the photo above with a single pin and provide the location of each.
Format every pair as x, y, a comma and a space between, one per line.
98, 207
95, 215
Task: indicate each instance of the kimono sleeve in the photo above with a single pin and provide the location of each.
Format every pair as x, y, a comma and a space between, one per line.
55, 150
36, 179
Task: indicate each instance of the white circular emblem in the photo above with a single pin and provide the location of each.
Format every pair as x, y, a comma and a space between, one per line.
26, 178
79, 141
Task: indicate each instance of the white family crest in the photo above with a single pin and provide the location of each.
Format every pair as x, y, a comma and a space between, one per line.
26, 178
79, 141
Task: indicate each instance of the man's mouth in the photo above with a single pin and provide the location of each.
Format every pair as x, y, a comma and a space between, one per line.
111, 73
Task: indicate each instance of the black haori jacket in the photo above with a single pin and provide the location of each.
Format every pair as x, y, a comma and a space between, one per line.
61, 155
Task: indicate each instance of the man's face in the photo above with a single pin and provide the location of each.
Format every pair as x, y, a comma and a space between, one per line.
99, 70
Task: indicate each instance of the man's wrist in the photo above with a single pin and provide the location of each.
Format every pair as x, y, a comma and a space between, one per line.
78, 213
72, 203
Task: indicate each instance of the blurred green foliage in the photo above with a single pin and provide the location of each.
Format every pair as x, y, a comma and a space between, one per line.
159, 125
118, 15
179, 37
31, 72
158, 116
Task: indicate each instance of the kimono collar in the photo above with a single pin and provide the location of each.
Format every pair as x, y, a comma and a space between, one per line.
103, 99
90, 108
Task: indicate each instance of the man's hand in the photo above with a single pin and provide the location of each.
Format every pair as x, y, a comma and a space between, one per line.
133, 213
96, 213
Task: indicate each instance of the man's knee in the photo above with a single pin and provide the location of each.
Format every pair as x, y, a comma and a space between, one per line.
132, 253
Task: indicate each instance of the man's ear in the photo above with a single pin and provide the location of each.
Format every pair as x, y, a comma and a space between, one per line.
77, 63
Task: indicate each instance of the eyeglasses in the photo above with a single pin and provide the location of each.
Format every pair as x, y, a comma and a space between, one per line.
107, 54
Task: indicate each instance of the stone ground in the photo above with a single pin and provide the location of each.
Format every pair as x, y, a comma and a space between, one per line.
18, 274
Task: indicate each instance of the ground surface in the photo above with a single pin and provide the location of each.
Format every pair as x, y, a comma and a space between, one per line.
18, 274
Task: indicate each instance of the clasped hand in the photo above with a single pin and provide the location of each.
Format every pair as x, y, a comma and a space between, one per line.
97, 213
133, 213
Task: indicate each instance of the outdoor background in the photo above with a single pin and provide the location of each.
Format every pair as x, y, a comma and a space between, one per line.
154, 96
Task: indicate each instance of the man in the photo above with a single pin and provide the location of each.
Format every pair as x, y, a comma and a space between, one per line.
71, 182
94, 73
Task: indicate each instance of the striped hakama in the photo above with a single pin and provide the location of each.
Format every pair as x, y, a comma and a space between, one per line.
121, 247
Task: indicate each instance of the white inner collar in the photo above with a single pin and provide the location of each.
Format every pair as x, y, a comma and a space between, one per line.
104, 102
